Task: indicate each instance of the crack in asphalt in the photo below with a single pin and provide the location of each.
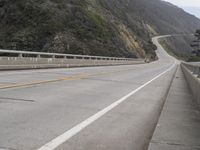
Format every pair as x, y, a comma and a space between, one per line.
7, 148
16, 99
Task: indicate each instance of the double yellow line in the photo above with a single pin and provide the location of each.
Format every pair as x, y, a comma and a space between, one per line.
75, 77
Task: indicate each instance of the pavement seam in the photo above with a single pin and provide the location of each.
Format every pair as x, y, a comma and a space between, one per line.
16, 99
7, 148
175, 143
113, 81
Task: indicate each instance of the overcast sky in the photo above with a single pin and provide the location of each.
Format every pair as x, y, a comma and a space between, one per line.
191, 6
186, 3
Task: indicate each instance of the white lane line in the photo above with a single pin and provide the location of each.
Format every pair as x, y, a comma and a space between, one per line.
76, 129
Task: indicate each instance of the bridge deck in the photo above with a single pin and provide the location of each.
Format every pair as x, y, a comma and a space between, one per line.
179, 124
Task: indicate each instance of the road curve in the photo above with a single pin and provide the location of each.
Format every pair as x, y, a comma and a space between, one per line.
94, 108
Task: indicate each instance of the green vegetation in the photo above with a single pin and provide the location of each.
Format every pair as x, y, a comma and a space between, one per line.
101, 26
194, 59
196, 44
98, 27
91, 27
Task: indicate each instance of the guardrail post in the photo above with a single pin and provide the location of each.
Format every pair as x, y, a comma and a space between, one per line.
198, 75
195, 70
38, 56
20, 55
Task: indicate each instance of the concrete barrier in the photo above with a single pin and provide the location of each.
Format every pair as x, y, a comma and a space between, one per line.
38, 60
192, 75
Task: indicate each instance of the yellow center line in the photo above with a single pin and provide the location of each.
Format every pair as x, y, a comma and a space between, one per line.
76, 77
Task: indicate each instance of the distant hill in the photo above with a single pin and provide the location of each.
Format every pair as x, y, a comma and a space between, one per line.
93, 27
179, 45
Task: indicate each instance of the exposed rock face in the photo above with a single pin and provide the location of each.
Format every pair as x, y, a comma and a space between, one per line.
93, 27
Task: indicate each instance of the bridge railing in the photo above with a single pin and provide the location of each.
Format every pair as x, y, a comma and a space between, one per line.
192, 75
194, 68
12, 59
59, 55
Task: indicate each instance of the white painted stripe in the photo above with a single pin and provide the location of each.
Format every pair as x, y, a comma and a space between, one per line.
76, 129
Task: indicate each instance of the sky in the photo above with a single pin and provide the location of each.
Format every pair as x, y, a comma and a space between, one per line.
191, 6
186, 3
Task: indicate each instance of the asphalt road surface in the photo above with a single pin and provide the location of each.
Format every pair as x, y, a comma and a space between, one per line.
94, 108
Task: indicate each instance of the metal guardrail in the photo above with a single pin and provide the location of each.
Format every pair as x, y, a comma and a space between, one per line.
194, 68
59, 55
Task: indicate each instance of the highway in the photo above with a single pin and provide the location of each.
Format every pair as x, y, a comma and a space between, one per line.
91, 108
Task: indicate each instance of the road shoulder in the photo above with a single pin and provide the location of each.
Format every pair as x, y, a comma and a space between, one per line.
179, 122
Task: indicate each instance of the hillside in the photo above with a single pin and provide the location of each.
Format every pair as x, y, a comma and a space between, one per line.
179, 46
93, 27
